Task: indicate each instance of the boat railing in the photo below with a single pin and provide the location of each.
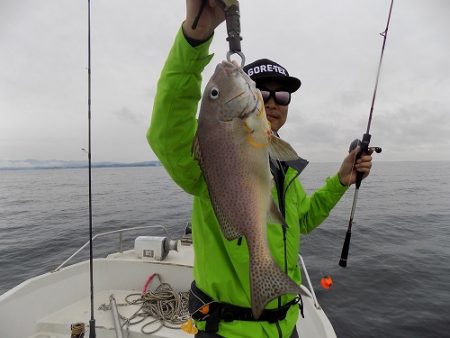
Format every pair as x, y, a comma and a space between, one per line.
311, 289
120, 232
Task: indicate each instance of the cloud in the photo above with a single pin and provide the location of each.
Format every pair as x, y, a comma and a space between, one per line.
125, 114
417, 123
333, 47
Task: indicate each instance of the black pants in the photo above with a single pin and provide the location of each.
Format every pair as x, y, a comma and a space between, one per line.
202, 334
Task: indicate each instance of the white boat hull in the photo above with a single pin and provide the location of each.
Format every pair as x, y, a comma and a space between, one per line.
46, 306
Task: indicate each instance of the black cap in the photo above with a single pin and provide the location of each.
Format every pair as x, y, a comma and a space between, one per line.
265, 69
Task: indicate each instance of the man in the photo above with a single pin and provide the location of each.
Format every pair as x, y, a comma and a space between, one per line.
221, 266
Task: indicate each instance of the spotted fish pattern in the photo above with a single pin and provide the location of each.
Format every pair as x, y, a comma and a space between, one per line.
232, 145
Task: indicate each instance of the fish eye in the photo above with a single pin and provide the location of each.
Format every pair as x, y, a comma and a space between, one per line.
214, 93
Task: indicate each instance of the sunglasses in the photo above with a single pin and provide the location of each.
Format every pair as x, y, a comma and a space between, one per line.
281, 97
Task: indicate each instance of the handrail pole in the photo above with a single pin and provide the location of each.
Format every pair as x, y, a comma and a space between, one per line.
109, 233
311, 289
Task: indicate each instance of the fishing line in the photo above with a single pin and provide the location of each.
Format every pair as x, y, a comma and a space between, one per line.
364, 149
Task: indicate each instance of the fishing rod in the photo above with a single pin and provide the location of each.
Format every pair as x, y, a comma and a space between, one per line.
364, 148
92, 333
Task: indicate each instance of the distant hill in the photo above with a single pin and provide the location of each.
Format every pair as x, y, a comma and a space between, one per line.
58, 164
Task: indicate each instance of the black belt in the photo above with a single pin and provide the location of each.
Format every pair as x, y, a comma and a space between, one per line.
203, 307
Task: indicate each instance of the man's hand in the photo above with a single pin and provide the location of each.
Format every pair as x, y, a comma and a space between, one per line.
347, 172
212, 15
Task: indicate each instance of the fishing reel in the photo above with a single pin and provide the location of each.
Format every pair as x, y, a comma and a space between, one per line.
357, 142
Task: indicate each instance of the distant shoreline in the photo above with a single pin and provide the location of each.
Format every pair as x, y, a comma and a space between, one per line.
83, 165
56, 164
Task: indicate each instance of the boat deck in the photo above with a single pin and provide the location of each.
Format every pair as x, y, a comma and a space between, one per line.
57, 324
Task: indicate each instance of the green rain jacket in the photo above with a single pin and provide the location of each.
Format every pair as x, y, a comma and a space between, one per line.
220, 266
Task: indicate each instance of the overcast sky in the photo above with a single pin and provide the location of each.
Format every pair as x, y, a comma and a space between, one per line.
333, 46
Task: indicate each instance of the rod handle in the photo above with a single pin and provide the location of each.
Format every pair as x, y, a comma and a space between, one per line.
92, 333
345, 248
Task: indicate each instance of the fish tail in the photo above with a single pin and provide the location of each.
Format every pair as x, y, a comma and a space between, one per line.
268, 282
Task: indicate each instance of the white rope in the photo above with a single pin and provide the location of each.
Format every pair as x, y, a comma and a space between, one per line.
167, 307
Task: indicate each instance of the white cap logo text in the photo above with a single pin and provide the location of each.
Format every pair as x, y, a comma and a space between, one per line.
266, 68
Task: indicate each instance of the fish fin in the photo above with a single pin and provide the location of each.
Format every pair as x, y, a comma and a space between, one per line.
195, 150
281, 150
229, 230
275, 215
268, 282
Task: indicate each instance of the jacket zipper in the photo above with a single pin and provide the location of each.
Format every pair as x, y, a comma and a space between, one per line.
279, 182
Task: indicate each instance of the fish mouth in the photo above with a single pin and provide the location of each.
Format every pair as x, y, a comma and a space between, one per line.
229, 68
235, 97
245, 101
251, 107
243, 97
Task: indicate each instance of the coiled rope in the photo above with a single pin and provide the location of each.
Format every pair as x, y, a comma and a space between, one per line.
167, 307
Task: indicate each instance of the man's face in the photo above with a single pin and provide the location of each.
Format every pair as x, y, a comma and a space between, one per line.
276, 113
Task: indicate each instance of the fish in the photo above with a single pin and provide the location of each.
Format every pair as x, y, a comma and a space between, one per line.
233, 143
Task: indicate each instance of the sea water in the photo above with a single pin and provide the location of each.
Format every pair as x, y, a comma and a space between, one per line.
396, 283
